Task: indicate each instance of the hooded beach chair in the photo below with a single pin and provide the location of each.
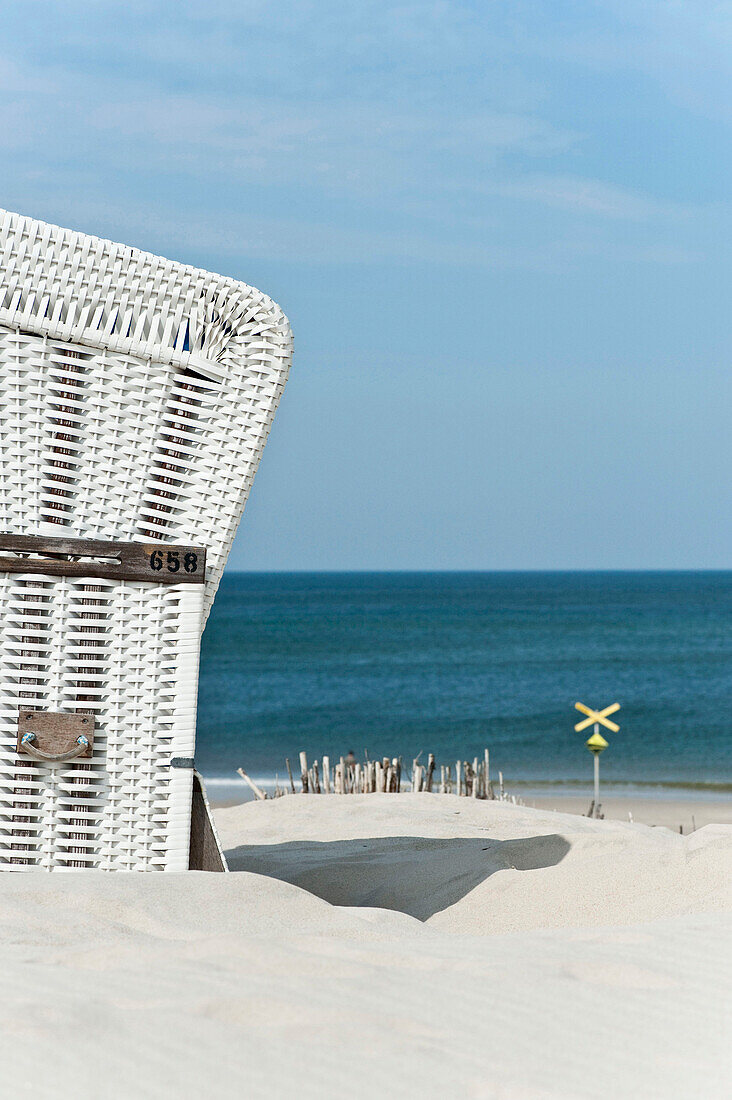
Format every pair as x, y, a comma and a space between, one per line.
136, 396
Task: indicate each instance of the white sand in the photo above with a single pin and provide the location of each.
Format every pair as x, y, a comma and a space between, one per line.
497, 951
665, 809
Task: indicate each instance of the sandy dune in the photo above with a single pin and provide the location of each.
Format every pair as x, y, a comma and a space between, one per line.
381, 945
478, 867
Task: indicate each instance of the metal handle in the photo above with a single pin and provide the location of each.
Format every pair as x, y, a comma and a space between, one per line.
82, 744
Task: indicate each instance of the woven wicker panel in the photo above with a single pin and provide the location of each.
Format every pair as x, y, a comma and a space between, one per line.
128, 653
136, 396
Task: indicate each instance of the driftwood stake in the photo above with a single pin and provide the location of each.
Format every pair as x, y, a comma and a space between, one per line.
304, 772
430, 772
250, 783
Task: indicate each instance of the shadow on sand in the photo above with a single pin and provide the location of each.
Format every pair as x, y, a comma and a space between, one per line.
419, 876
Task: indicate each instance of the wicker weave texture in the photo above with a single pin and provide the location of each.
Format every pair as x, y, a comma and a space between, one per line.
136, 395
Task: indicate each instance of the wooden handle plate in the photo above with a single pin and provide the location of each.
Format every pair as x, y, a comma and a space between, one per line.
56, 732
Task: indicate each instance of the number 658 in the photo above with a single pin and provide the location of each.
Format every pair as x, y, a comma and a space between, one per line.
170, 560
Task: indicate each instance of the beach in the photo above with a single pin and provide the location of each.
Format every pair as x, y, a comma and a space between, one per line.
673, 810
364, 413
391, 945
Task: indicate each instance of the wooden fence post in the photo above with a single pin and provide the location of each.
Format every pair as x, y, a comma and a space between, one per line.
430, 772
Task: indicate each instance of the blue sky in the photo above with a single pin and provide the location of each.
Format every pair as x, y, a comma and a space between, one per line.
500, 230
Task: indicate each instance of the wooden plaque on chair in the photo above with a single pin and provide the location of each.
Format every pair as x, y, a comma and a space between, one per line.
122, 561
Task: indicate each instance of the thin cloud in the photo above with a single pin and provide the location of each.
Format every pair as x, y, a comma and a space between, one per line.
425, 132
589, 196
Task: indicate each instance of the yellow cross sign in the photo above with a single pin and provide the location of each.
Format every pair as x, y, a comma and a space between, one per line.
597, 716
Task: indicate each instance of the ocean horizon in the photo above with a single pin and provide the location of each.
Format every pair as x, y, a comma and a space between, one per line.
401, 663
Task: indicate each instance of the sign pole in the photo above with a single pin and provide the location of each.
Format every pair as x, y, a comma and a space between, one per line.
597, 775
597, 743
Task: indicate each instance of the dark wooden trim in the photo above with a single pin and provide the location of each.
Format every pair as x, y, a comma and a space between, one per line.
205, 854
158, 563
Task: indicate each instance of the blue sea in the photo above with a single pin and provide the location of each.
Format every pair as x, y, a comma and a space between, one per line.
450, 663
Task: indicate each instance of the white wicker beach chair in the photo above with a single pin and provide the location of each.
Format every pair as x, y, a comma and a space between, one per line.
136, 396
